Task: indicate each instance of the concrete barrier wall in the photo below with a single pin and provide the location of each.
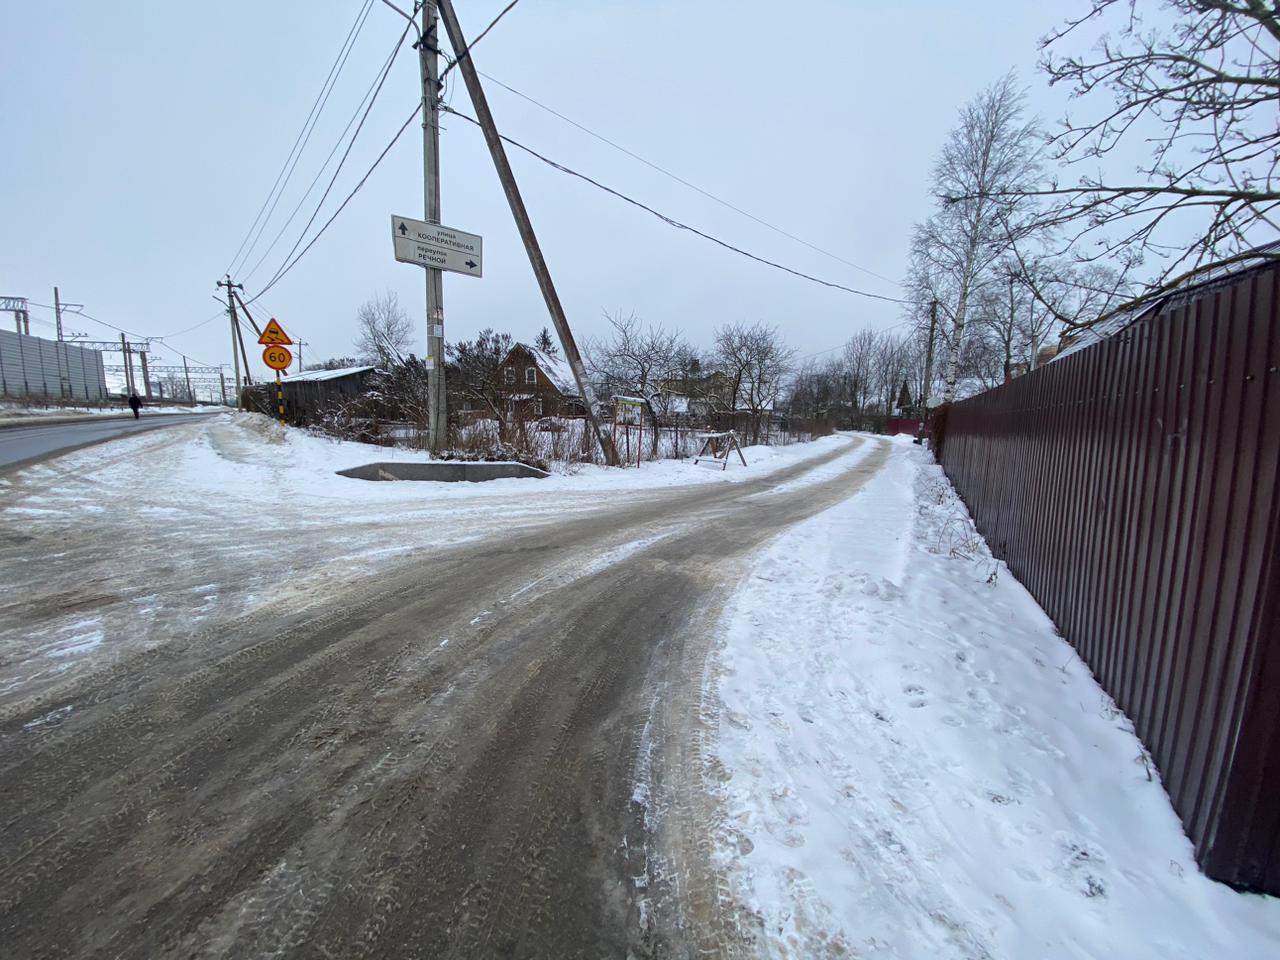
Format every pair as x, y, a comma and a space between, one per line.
449, 471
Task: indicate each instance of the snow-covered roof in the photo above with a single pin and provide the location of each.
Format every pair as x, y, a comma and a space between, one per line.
555, 369
1088, 336
308, 375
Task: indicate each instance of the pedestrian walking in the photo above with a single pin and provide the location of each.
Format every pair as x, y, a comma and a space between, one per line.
135, 404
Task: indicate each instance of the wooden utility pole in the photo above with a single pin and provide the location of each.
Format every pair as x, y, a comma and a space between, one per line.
235, 330
523, 223
928, 360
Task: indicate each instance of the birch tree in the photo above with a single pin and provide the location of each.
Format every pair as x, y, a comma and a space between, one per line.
989, 157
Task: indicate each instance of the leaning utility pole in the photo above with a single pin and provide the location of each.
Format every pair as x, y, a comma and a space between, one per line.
235, 328
437, 398
525, 226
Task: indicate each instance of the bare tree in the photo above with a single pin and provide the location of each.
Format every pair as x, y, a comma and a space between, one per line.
859, 357
474, 368
757, 362
637, 358
1202, 91
988, 158
384, 332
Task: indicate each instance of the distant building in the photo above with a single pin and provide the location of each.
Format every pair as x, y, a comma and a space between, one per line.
536, 383
309, 394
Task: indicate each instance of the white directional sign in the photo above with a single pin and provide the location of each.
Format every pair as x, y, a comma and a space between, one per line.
431, 245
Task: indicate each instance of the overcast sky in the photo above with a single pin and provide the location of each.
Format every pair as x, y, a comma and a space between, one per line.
142, 137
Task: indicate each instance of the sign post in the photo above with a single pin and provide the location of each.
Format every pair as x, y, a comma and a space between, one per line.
277, 357
436, 248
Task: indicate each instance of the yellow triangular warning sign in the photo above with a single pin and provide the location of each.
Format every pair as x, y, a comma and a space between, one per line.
274, 335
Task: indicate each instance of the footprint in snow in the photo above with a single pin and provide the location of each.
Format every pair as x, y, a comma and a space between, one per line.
789, 806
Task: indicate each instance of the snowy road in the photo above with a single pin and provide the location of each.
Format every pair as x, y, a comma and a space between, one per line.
28, 443
300, 734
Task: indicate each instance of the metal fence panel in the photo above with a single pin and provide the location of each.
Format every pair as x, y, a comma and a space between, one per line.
1132, 487
36, 368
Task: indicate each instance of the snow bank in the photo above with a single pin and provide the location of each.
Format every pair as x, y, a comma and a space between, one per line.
919, 767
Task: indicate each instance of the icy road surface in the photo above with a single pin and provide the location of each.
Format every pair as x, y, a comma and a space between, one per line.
248, 708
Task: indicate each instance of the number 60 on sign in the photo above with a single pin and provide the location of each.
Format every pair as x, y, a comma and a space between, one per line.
277, 357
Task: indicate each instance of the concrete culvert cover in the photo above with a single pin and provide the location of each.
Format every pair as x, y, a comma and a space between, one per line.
447, 471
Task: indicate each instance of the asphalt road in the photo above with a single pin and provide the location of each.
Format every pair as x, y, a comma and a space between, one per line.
441, 763
20, 446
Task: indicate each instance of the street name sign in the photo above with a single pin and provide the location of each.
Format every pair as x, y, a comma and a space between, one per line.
274, 335
431, 245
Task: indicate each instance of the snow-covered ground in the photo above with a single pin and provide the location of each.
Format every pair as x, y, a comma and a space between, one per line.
175, 529
917, 766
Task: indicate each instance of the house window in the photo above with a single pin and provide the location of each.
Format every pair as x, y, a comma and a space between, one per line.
530, 375
509, 376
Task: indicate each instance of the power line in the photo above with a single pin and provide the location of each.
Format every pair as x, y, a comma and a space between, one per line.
346, 153
671, 221
371, 91
681, 180
196, 326
467, 49
131, 333
304, 135
356, 189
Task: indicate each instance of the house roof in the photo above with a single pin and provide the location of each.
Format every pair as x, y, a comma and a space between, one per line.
555, 369
1086, 337
309, 375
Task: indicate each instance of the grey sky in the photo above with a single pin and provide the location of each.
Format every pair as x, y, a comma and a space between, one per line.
143, 136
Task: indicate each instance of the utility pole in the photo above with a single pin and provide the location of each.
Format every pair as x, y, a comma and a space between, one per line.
523, 223
146, 376
235, 330
191, 397
128, 364
60, 350
437, 396
299, 344
928, 360
222, 382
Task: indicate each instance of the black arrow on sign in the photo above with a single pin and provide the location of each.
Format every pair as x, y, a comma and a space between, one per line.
403, 228
471, 264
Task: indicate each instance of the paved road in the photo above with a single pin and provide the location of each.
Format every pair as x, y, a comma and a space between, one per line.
24, 445
496, 751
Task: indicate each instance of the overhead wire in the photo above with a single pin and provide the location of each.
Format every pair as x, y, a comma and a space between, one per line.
132, 333
303, 137
459, 54
374, 85
681, 180
671, 221
354, 190
287, 263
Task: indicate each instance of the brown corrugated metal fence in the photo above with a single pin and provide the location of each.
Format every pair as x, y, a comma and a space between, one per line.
1132, 487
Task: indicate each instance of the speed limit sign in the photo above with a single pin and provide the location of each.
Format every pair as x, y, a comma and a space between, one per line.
277, 357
